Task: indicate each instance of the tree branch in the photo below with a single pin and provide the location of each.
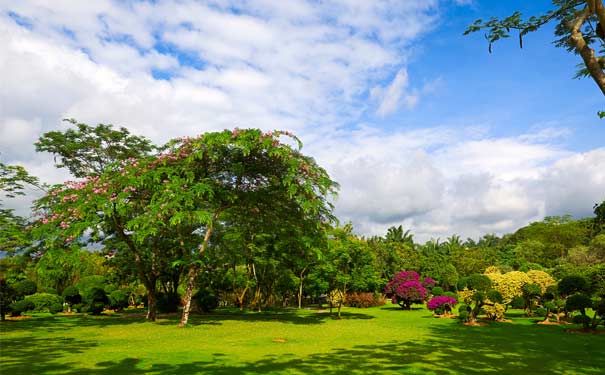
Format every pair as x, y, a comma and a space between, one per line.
579, 43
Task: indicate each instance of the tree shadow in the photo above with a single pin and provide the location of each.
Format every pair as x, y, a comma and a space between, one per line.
59, 322
30, 355
450, 349
281, 316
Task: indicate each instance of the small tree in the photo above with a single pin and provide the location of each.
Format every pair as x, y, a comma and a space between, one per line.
578, 292
442, 304
531, 293
337, 298
478, 292
72, 296
7, 295
405, 289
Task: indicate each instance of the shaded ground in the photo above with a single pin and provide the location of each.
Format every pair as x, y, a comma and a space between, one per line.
378, 340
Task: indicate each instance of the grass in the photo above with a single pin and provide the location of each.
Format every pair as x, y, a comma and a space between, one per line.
376, 340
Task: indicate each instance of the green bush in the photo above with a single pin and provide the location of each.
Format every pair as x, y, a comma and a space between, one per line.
541, 311
118, 299
72, 296
55, 308
572, 284
25, 288
43, 301
364, 300
578, 301
18, 307
463, 315
96, 308
437, 291
97, 295
517, 303
205, 300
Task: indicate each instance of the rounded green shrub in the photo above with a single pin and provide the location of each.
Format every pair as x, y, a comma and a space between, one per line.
437, 291
494, 296
541, 311
71, 295
572, 284
19, 307
96, 308
463, 315
55, 308
25, 288
97, 295
517, 303
44, 301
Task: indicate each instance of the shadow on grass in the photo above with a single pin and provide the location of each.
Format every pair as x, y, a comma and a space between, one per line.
506, 348
29, 355
450, 349
53, 323
281, 316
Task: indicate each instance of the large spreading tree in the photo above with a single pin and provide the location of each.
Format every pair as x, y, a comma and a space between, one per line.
180, 196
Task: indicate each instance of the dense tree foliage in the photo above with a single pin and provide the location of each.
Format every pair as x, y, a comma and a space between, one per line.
243, 218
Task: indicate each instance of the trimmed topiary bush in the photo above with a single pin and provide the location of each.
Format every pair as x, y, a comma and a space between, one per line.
96, 300
442, 304
43, 301
437, 291
72, 297
364, 300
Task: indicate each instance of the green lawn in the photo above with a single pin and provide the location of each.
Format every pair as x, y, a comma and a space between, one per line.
377, 340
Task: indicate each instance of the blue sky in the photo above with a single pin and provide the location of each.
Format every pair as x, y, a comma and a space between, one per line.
421, 126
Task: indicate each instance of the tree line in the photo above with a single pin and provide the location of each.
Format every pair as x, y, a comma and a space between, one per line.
234, 218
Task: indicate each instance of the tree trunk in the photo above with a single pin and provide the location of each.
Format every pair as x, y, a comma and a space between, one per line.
300, 290
191, 275
579, 43
151, 302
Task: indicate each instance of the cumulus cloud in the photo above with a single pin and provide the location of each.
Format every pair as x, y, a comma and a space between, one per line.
438, 181
171, 68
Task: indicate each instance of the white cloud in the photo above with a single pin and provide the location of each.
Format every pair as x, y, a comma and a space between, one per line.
439, 182
296, 65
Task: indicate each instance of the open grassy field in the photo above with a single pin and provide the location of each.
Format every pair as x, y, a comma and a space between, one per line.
376, 340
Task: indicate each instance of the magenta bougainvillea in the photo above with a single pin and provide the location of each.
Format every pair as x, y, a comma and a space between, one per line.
441, 304
405, 288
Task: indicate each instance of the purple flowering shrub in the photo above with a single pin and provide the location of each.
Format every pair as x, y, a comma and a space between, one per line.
405, 288
442, 304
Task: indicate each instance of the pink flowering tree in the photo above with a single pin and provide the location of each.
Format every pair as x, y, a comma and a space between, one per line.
180, 194
406, 288
442, 304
